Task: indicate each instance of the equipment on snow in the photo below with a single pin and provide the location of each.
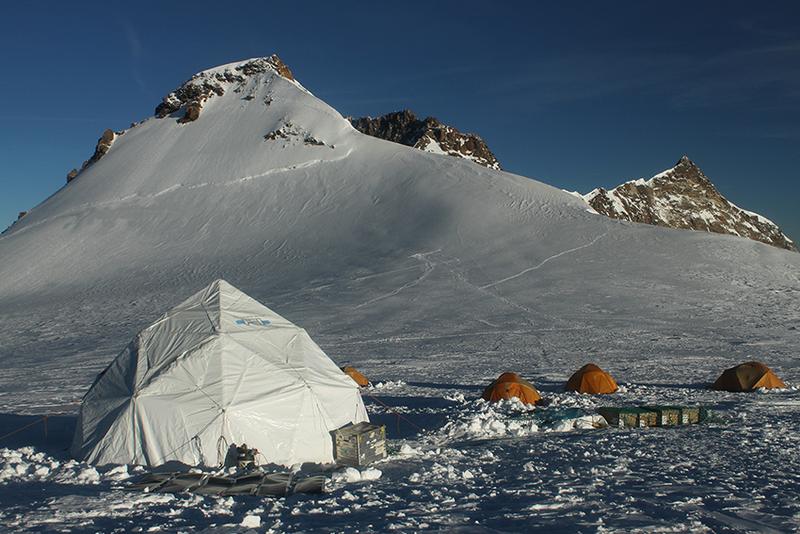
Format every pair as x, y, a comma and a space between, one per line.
360, 444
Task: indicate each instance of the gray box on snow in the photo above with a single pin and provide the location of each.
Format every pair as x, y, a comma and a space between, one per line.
359, 444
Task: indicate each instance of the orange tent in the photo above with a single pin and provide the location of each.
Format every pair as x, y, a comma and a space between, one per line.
591, 379
357, 377
748, 377
510, 385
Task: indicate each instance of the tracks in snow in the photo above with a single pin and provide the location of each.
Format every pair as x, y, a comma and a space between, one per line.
428, 267
544, 261
137, 197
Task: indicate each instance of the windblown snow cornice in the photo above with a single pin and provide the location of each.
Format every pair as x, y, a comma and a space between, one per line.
684, 197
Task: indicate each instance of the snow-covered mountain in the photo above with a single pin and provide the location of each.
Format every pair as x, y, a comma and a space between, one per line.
425, 271
427, 134
273, 189
684, 197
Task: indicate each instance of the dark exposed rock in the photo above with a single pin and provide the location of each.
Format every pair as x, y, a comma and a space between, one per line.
684, 197
275, 134
192, 113
167, 107
311, 140
19, 217
103, 144
100, 150
192, 94
266, 64
281, 67
427, 134
189, 94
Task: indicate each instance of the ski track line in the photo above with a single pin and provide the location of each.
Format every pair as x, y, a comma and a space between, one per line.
428, 267
411, 339
554, 256
137, 197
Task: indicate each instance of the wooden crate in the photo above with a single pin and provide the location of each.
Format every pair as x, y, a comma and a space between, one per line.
628, 417
359, 444
676, 415
693, 414
668, 415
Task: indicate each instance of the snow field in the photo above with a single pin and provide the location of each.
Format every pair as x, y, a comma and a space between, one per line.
482, 466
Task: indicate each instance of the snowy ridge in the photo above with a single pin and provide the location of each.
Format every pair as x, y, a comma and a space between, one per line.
429, 135
683, 197
461, 149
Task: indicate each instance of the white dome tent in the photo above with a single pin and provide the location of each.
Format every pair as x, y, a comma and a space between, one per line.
218, 369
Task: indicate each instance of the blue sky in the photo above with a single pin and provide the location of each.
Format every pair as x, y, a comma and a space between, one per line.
576, 94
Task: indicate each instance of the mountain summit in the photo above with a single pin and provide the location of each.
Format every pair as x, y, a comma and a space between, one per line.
193, 93
684, 197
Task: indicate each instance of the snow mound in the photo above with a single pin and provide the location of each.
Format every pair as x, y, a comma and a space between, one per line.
28, 465
350, 475
483, 420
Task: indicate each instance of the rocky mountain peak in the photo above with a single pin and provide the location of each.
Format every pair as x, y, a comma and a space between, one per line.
194, 92
684, 177
684, 197
427, 134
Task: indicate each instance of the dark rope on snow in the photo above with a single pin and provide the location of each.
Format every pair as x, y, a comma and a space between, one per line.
42, 419
406, 419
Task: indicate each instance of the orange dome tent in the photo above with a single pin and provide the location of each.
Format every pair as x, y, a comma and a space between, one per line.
748, 377
357, 377
591, 379
510, 385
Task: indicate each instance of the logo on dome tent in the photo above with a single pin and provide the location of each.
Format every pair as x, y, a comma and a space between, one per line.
252, 321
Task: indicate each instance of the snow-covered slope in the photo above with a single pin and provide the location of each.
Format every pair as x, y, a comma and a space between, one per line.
412, 266
683, 197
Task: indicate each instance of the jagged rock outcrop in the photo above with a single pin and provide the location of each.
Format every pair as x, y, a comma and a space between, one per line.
20, 215
193, 93
427, 134
684, 197
103, 144
100, 150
